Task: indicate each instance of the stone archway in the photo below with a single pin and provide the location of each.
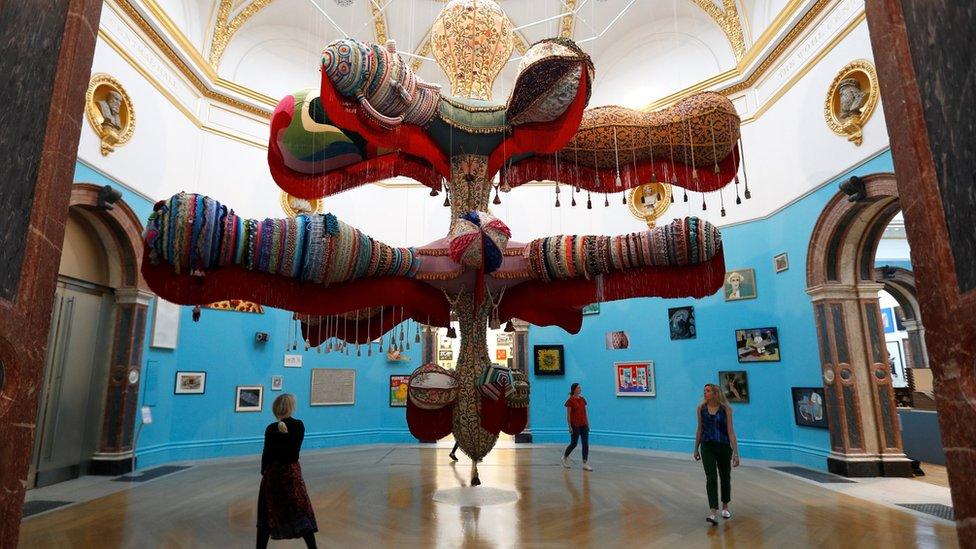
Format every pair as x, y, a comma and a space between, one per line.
120, 231
864, 432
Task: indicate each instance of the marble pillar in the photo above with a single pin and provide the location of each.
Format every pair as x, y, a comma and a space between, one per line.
864, 433
520, 350
45, 58
925, 62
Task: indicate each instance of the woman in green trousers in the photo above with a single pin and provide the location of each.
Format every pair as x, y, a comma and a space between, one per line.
716, 448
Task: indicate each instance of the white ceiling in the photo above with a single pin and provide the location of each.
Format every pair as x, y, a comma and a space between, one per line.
642, 49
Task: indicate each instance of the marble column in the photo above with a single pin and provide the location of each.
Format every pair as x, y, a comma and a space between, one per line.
45, 58
115, 449
864, 432
923, 54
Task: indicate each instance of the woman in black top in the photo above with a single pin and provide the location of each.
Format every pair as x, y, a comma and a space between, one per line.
284, 510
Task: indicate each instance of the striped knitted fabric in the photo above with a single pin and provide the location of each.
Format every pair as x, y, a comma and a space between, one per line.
195, 233
688, 241
495, 382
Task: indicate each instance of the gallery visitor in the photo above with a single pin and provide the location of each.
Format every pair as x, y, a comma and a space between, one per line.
579, 426
454, 450
284, 510
716, 447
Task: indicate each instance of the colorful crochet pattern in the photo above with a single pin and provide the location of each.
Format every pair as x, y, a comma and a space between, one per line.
195, 233
688, 241
479, 239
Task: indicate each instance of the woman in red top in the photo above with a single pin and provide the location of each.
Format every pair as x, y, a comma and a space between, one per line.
579, 427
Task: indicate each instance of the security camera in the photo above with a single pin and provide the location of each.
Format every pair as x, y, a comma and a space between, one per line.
261, 337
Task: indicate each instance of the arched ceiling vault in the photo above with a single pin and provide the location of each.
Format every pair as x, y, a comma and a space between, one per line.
231, 15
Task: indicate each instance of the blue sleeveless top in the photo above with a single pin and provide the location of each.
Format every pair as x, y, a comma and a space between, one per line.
715, 428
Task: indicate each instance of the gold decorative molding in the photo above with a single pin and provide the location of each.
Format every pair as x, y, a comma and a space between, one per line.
226, 27
851, 99
379, 22
202, 88
568, 20
109, 110
728, 20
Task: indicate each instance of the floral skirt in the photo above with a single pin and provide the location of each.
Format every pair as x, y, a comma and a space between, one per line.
284, 509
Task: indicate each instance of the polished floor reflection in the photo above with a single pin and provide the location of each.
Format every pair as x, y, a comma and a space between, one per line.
381, 496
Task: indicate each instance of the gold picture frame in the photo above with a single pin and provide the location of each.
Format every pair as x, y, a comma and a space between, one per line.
649, 201
852, 99
294, 206
109, 110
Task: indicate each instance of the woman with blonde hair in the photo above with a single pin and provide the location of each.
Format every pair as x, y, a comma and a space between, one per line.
716, 447
284, 510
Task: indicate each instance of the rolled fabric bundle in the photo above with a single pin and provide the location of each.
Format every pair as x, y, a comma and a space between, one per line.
375, 75
688, 241
195, 233
432, 387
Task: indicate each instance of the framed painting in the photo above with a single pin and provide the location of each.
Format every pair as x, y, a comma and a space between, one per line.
781, 262
549, 360
740, 284
249, 398
277, 382
808, 407
332, 387
398, 390
190, 383
618, 340
734, 385
503, 340
681, 322
757, 345
445, 354
166, 324
634, 378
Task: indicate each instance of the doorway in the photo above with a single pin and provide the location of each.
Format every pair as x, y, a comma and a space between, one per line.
69, 409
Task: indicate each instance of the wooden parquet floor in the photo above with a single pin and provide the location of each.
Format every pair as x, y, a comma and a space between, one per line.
381, 497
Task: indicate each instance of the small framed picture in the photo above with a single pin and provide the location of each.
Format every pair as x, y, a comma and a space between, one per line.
635, 378
781, 262
398, 390
740, 284
250, 398
503, 340
734, 385
445, 354
501, 354
190, 383
757, 344
549, 360
277, 382
592, 309
618, 340
808, 407
681, 322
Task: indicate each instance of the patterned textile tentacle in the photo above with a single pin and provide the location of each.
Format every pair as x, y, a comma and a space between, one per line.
475, 441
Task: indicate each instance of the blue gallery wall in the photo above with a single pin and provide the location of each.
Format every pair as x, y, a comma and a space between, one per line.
222, 344
765, 425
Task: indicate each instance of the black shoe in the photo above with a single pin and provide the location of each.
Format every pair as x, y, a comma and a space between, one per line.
476, 481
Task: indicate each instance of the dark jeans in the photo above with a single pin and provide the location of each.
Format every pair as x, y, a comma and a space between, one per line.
580, 433
716, 457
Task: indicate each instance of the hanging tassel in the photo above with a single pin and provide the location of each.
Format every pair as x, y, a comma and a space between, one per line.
686, 195
722, 201
573, 203
433, 192
196, 313
557, 201
737, 199
625, 197
509, 327
497, 199
451, 333
704, 207
745, 173
447, 200
416, 337
606, 201
589, 202
672, 198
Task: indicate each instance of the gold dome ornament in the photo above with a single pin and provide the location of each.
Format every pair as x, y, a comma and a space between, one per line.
649, 201
851, 99
471, 41
108, 109
294, 206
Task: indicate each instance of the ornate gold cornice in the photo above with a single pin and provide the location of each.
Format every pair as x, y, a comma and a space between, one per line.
728, 20
226, 27
202, 88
